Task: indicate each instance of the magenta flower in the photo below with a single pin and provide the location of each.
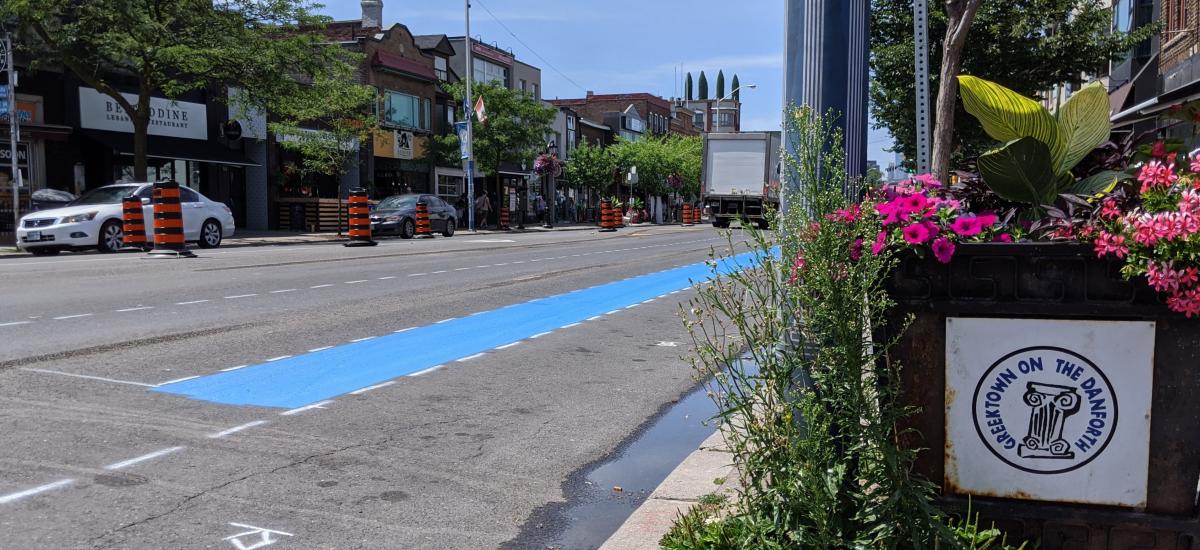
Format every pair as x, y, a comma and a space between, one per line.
967, 226
916, 233
856, 249
1107, 243
880, 243
986, 219
890, 213
929, 181
1003, 238
1156, 175
914, 204
943, 250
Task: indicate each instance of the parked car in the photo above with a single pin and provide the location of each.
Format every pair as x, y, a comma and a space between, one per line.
47, 199
94, 221
397, 215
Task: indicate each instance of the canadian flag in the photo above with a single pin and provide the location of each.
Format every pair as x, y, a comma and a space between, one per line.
480, 112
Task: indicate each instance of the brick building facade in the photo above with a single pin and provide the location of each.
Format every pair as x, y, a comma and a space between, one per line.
614, 110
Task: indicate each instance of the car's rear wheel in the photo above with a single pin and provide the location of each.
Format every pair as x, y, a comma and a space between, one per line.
407, 229
111, 237
449, 231
210, 234
44, 251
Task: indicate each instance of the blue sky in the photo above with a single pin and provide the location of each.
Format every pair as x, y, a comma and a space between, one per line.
616, 46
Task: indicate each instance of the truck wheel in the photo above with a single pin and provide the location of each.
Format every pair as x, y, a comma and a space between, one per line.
764, 224
720, 224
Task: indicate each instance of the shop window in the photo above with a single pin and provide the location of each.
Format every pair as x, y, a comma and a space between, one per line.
402, 110
448, 187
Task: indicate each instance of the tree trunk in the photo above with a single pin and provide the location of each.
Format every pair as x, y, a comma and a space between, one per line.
961, 14
140, 117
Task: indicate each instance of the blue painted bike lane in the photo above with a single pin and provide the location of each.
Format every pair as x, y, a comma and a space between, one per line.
313, 377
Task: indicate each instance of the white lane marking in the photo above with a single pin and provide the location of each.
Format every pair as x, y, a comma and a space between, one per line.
274, 359
417, 274
404, 330
660, 296
506, 346
73, 316
317, 405
470, 357
445, 320
240, 296
128, 309
375, 387
520, 262
477, 313
462, 268
537, 260
265, 537
540, 334
283, 291
13, 497
356, 282
143, 458
363, 339
237, 429
667, 344
14, 323
185, 378
481, 266
190, 303
427, 371
498, 265
594, 318
100, 378
388, 277
320, 286
570, 325
675, 292
648, 301
612, 312
322, 348
632, 306
437, 272
234, 368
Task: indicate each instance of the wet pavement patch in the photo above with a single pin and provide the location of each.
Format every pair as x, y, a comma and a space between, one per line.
602, 495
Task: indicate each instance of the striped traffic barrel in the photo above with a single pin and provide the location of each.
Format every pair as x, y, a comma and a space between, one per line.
360, 219
169, 241
606, 216
133, 224
687, 213
504, 216
423, 227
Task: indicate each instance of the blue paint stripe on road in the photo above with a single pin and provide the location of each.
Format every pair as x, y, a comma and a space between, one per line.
313, 377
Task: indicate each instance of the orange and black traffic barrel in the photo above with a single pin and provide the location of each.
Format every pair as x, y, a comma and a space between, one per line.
133, 225
606, 217
359, 219
423, 227
169, 241
503, 216
687, 213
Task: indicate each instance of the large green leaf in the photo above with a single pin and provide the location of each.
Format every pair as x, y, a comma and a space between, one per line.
1083, 123
1020, 171
1102, 182
1008, 116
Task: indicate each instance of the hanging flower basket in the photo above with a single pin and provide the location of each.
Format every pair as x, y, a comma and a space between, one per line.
547, 165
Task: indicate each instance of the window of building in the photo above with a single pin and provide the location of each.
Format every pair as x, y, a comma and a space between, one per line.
448, 187
486, 71
570, 132
725, 119
524, 85
698, 120
403, 110
1175, 16
439, 68
534, 91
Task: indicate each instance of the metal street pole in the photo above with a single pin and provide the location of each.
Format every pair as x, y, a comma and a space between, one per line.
14, 130
468, 106
718, 107
921, 62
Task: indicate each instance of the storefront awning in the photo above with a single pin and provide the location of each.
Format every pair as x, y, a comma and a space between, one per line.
172, 148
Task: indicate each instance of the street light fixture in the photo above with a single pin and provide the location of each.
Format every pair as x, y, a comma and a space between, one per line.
552, 210
718, 107
632, 178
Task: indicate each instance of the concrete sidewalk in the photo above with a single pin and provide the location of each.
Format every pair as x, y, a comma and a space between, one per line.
706, 471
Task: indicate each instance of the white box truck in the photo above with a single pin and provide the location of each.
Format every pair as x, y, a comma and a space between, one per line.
740, 176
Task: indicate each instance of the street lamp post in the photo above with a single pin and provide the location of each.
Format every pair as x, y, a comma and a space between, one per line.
718, 107
632, 178
552, 210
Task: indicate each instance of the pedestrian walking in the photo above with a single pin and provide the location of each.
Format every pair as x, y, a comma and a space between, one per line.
483, 207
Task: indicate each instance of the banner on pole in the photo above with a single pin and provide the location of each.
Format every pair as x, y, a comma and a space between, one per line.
461, 129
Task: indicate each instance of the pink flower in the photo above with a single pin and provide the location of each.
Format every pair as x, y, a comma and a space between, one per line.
1187, 303
914, 204
1156, 175
967, 226
880, 243
1195, 165
986, 219
1189, 202
849, 215
1109, 209
943, 250
929, 181
856, 249
1108, 243
797, 266
889, 211
1003, 238
916, 233
1159, 150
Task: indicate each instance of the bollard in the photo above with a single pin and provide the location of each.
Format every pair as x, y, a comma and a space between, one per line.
360, 219
504, 216
687, 214
133, 225
617, 220
423, 227
606, 222
168, 222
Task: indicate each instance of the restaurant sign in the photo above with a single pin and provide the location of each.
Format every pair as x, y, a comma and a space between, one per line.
168, 118
1055, 410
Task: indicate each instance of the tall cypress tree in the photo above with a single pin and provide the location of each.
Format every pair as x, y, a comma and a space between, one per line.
737, 88
703, 86
720, 85
687, 87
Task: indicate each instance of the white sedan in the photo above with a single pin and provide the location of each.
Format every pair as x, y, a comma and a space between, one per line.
94, 221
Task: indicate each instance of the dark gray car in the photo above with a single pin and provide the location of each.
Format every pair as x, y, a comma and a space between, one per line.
397, 215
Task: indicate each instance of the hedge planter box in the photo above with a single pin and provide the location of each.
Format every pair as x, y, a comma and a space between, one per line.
1063, 399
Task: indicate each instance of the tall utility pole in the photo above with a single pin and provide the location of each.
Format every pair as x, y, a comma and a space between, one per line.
14, 126
468, 106
921, 64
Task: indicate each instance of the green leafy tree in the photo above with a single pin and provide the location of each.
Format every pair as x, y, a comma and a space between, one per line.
703, 92
515, 129
659, 157
170, 47
1025, 45
721, 84
337, 121
737, 89
591, 167
687, 87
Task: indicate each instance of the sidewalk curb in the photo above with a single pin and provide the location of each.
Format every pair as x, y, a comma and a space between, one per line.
695, 477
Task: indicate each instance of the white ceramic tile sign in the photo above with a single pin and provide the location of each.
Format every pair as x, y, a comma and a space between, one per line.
1052, 410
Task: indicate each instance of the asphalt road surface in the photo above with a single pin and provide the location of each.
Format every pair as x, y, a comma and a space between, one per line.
418, 394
